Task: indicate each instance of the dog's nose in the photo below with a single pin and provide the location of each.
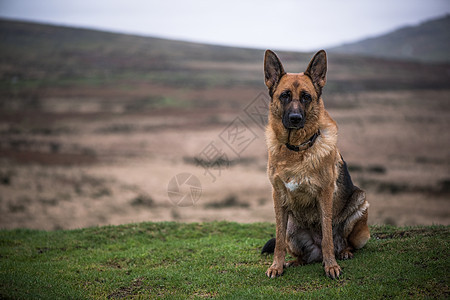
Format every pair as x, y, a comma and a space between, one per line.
295, 118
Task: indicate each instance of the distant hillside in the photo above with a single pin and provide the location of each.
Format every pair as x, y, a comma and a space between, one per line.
40, 61
38, 50
428, 42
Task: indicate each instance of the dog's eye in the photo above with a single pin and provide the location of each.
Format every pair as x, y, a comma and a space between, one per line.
285, 96
306, 97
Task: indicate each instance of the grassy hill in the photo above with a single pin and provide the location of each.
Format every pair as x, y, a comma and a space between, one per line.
212, 260
428, 42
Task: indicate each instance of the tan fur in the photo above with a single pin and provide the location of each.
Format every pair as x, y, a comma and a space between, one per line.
306, 191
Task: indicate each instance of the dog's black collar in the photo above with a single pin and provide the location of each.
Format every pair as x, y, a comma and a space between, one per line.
305, 145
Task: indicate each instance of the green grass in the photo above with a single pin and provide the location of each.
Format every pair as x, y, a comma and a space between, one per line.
219, 259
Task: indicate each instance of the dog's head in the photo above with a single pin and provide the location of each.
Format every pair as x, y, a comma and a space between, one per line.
295, 96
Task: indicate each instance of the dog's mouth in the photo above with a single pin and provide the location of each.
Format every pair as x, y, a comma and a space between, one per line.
293, 125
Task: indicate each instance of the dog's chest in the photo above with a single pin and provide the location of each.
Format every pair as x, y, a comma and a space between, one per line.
300, 179
302, 201
302, 190
295, 184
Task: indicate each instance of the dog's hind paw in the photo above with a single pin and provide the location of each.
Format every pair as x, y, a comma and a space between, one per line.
294, 263
346, 254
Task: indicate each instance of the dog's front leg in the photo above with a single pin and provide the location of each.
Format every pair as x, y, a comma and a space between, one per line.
281, 216
332, 269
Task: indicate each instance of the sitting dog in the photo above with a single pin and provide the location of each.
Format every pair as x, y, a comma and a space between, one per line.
320, 214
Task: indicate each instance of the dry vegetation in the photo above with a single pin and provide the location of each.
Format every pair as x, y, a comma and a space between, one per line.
93, 135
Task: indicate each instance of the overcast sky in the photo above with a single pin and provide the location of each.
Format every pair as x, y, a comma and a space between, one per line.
285, 24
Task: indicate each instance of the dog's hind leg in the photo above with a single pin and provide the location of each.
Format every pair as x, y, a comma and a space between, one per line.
302, 244
293, 246
360, 233
357, 231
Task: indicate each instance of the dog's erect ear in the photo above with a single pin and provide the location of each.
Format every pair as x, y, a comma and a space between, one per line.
273, 69
317, 69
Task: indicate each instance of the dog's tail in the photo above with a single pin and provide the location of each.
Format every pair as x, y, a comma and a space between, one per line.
269, 247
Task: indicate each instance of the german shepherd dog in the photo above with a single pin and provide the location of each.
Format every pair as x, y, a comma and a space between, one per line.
320, 214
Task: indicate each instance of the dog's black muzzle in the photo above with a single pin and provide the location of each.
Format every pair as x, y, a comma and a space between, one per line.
294, 120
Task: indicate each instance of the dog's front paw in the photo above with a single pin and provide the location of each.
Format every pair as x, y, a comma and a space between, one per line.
274, 271
333, 270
